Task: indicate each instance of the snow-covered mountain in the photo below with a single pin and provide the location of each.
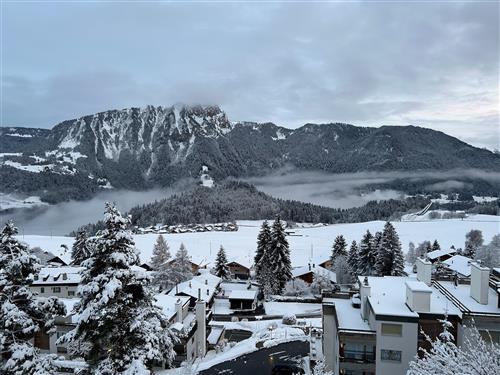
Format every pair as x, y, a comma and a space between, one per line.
137, 148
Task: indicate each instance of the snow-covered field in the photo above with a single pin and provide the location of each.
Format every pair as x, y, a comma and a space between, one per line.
9, 201
304, 242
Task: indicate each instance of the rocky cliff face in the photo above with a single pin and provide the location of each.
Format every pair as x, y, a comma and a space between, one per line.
143, 147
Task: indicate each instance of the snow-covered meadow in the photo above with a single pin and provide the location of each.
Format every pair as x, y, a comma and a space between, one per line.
305, 242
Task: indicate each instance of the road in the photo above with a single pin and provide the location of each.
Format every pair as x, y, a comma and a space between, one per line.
262, 361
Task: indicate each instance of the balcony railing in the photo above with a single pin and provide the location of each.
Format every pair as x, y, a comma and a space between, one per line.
358, 356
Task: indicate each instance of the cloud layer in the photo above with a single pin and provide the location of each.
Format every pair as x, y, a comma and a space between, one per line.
428, 64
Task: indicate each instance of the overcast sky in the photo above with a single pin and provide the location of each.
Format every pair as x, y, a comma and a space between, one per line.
432, 65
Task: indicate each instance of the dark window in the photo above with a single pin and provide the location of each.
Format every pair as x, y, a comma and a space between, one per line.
390, 355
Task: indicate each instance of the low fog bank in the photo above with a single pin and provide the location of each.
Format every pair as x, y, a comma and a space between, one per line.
62, 218
353, 189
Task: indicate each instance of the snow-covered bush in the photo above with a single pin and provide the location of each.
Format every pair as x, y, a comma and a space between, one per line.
289, 319
297, 288
320, 367
320, 281
475, 357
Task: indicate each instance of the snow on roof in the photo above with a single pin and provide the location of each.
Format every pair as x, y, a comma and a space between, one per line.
59, 275
192, 287
388, 297
215, 334
167, 303
243, 261
418, 286
439, 253
243, 294
178, 326
318, 270
205, 277
462, 293
348, 316
460, 264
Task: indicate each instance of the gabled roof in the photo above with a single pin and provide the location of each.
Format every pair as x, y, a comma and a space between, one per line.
206, 284
439, 253
318, 270
59, 275
243, 294
167, 303
460, 264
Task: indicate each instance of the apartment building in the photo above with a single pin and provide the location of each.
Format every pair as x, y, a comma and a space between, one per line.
379, 331
61, 282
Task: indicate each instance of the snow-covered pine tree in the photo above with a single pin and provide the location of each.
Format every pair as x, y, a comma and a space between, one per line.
279, 256
160, 263
181, 269
339, 248
263, 240
221, 269
365, 262
352, 259
118, 330
435, 246
390, 260
489, 255
22, 314
80, 250
474, 357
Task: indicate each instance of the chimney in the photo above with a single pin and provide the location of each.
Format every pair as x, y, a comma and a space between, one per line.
65, 276
364, 293
424, 270
201, 330
479, 280
199, 293
418, 296
309, 266
178, 311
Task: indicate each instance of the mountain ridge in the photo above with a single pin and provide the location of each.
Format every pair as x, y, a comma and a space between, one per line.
142, 147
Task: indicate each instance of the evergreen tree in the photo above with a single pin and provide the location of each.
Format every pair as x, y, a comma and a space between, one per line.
489, 255
221, 269
80, 250
339, 248
181, 266
390, 260
160, 263
22, 314
352, 260
279, 256
435, 246
342, 270
118, 330
263, 240
366, 257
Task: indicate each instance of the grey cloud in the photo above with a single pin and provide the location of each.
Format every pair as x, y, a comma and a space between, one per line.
367, 64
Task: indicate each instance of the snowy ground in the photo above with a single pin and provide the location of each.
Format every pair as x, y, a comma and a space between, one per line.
304, 242
9, 201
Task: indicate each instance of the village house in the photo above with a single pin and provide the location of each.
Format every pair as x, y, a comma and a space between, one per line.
243, 300
239, 269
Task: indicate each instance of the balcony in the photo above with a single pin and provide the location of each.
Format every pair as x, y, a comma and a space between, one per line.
357, 356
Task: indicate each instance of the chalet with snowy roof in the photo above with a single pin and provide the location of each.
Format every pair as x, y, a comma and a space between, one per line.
441, 255
197, 264
379, 330
306, 273
203, 286
243, 300
47, 258
459, 264
60, 282
239, 269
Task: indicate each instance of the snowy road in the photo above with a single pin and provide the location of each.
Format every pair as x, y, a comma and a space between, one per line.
262, 361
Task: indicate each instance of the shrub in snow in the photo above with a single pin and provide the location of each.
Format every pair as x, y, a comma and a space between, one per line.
320, 367
22, 315
289, 319
475, 357
297, 288
118, 330
320, 281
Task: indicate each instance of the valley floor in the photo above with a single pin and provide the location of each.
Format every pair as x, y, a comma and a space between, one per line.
305, 242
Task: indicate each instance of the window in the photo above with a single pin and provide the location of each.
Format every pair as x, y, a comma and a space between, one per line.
56, 289
392, 329
390, 355
71, 293
62, 349
42, 290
